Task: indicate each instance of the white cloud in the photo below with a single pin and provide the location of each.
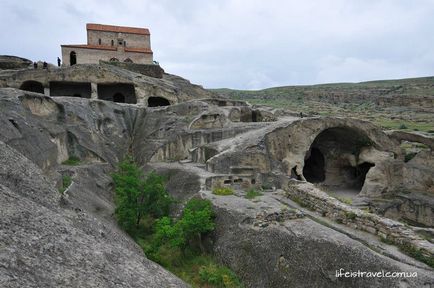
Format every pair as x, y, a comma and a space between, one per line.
243, 43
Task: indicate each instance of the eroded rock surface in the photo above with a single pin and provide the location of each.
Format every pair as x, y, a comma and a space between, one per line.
199, 142
44, 244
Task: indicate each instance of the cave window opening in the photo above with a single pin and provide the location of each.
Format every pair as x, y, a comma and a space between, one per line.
294, 173
254, 116
313, 169
119, 98
360, 172
32, 86
14, 123
157, 102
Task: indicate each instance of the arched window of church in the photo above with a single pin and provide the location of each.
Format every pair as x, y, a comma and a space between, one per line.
99, 41
125, 43
113, 42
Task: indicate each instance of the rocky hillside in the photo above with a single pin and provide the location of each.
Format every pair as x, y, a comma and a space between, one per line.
56, 220
406, 104
415, 92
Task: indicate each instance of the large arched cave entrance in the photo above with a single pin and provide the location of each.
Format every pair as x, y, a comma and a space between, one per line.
333, 160
157, 102
33, 86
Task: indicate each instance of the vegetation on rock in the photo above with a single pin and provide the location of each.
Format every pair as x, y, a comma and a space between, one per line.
252, 193
142, 209
72, 161
223, 191
137, 196
66, 181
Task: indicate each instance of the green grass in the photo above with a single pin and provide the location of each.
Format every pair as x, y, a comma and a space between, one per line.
66, 181
350, 215
72, 161
395, 124
252, 193
223, 191
345, 200
411, 251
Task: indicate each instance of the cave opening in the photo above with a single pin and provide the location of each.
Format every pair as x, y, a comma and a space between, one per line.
333, 160
313, 169
117, 92
255, 116
32, 86
360, 174
67, 88
119, 98
158, 102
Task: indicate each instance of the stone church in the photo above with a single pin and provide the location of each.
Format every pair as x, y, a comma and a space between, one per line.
110, 43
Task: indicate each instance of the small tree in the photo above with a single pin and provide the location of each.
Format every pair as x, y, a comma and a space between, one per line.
168, 232
196, 220
154, 199
138, 196
127, 180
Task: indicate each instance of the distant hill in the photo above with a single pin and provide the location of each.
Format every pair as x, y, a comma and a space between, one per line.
414, 92
406, 104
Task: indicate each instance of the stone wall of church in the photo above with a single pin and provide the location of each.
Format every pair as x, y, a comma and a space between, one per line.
93, 56
132, 40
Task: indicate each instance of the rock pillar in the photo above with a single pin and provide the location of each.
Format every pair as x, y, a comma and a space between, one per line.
94, 91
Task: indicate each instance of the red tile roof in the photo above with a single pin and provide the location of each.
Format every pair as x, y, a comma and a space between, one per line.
111, 48
119, 29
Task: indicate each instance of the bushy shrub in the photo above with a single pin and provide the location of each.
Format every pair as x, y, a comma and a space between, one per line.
252, 193
223, 191
72, 161
409, 156
197, 219
218, 276
66, 181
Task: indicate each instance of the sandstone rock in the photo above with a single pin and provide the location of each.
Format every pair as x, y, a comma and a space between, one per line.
198, 142
44, 245
13, 62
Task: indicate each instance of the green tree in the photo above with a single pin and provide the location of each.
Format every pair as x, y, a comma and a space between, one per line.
154, 199
168, 232
197, 219
138, 196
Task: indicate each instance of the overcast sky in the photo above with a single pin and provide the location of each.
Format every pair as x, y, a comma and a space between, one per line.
245, 44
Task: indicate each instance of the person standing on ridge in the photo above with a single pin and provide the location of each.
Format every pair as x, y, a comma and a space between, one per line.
58, 61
